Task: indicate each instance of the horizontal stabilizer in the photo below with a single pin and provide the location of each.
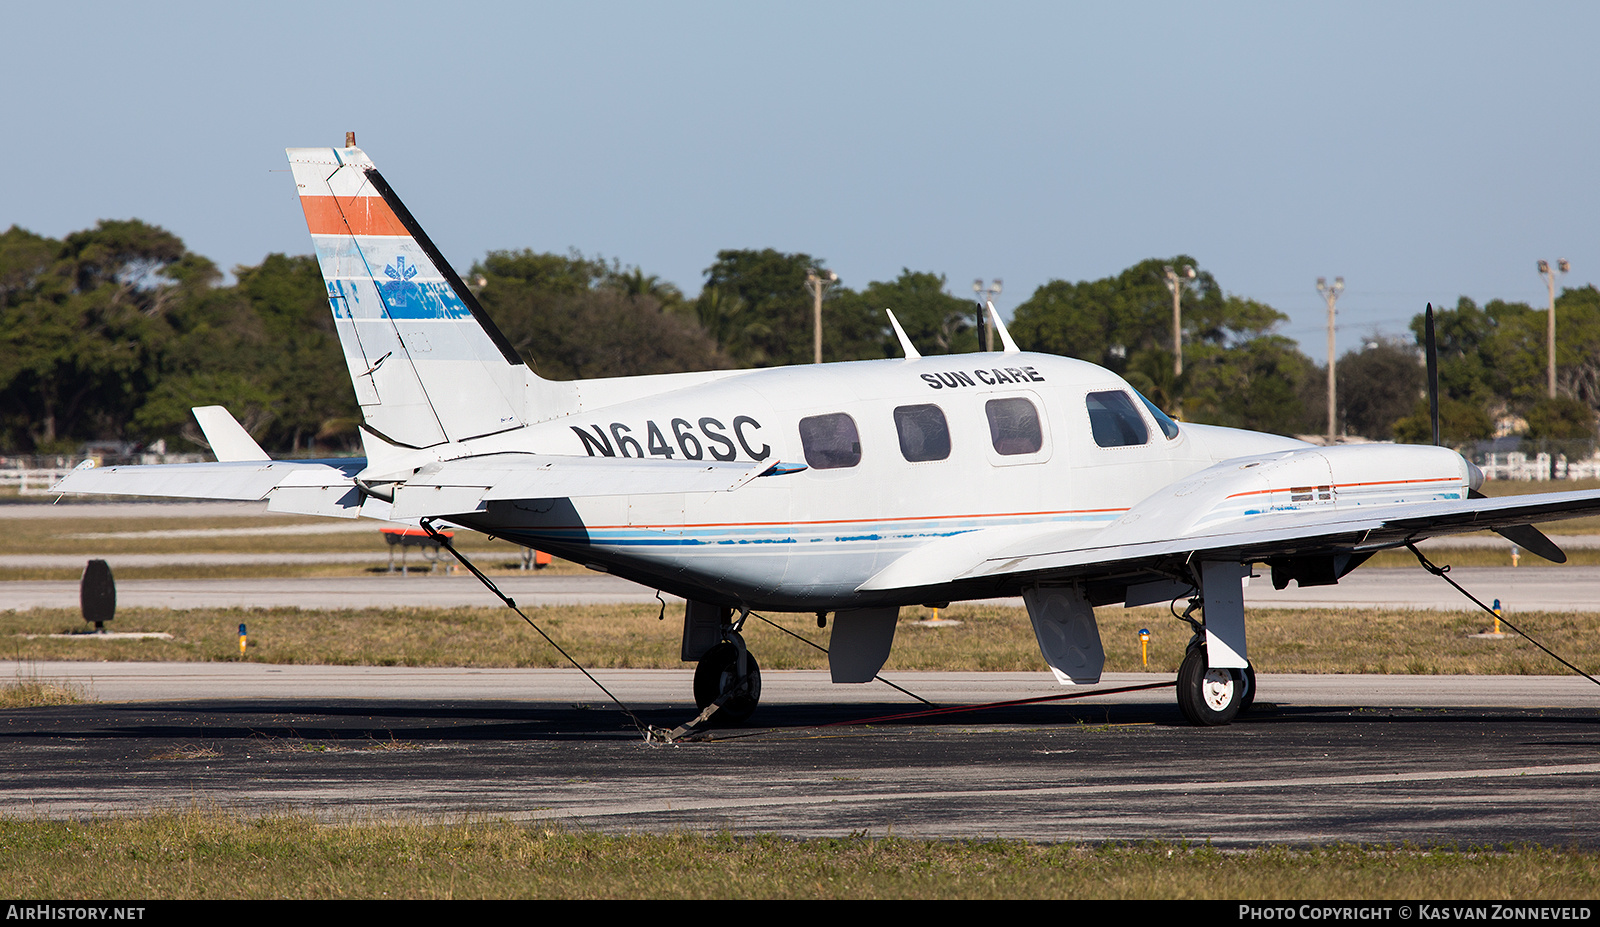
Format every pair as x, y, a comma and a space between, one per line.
448, 487
236, 480
463, 485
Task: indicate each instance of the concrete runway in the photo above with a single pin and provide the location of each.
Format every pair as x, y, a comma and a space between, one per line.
1430, 760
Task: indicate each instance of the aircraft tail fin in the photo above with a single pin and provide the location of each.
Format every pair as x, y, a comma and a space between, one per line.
228, 439
428, 364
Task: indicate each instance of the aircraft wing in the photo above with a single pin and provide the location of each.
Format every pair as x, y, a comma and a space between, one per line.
1130, 546
450, 487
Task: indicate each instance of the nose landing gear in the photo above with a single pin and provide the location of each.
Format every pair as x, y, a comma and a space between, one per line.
728, 672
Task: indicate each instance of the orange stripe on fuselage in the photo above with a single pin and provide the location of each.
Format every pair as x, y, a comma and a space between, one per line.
856, 521
354, 215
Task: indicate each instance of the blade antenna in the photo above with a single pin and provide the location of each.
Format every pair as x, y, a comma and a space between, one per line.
900, 333
1430, 349
1000, 328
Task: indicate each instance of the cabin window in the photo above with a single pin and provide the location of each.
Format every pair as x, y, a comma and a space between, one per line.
1014, 426
830, 441
1115, 421
924, 433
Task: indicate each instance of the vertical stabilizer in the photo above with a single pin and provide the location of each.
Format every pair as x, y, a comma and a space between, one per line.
228, 439
427, 363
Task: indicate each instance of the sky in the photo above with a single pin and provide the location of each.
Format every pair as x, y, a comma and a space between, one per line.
1422, 151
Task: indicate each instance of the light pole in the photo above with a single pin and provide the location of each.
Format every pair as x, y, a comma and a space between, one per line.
1550, 284
818, 284
1175, 281
985, 327
1331, 294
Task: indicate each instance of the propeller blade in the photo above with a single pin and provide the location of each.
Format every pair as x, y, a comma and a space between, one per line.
1431, 351
1533, 541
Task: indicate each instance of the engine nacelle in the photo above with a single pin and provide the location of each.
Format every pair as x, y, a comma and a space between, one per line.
1336, 478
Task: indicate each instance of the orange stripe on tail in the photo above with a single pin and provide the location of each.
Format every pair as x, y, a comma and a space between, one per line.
357, 215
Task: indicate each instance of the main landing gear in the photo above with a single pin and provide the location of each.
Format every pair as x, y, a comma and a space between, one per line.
728, 670
1211, 696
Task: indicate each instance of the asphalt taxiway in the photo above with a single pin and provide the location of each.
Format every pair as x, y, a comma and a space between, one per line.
1425, 760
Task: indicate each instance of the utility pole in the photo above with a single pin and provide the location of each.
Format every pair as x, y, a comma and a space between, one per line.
1175, 281
985, 325
1550, 284
818, 285
1331, 294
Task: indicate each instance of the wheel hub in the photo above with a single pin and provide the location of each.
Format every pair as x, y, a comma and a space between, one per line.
1217, 689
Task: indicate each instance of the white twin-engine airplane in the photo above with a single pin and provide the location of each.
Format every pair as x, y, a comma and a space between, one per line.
853, 488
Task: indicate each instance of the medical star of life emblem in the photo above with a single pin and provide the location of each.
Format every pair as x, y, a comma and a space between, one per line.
396, 291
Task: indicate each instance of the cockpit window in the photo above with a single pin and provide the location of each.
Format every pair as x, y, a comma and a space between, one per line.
1168, 426
830, 441
1014, 426
924, 433
1114, 420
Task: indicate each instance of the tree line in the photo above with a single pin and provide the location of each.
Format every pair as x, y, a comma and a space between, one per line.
113, 333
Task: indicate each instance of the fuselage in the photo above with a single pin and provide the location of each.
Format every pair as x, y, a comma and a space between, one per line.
869, 461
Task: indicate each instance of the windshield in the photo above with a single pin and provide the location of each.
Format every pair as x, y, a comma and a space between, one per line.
1168, 426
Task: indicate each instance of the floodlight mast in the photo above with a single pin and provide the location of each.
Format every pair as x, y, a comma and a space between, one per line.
1175, 281
818, 284
1331, 294
1550, 335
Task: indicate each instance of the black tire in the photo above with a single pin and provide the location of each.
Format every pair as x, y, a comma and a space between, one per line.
1249, 698
1208, 697
717, 673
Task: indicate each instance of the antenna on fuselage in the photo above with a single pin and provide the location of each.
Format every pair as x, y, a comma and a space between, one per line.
1000, 327
905, 342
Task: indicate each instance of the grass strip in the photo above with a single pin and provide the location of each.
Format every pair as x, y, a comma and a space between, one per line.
33, 693
987, 637
209, 854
